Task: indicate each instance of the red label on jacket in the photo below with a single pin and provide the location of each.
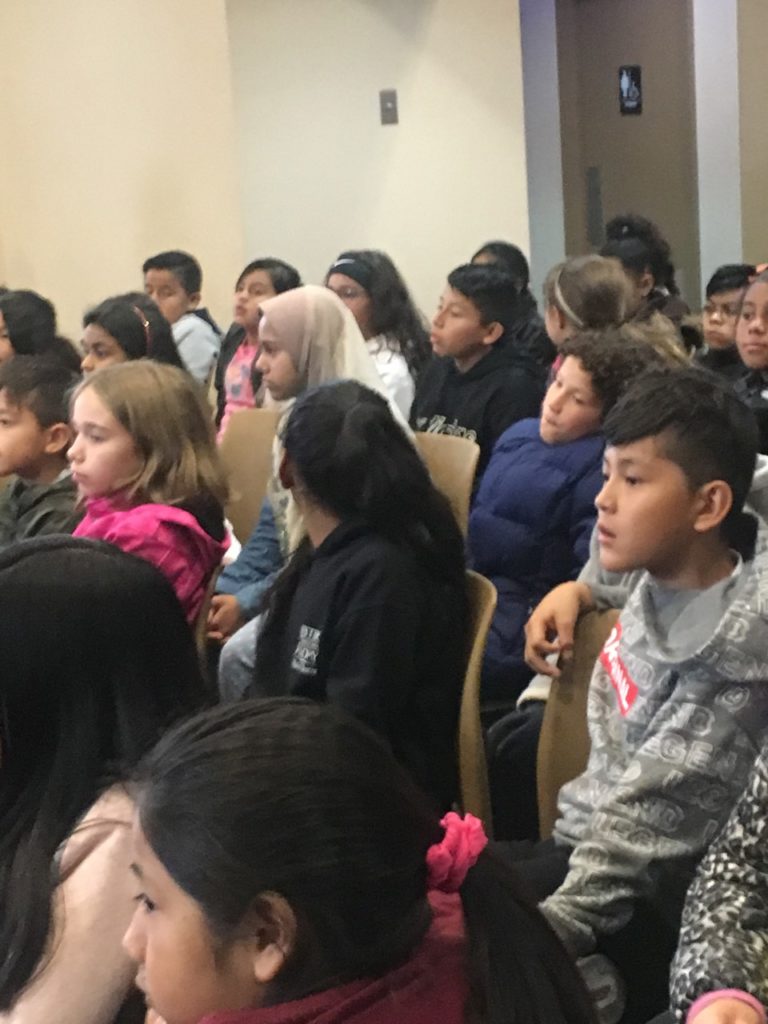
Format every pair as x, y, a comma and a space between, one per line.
626, 691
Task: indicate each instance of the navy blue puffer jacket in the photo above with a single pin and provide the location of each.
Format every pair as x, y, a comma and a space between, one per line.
529, 530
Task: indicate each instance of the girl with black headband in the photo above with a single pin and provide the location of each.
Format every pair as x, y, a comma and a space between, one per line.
368, 283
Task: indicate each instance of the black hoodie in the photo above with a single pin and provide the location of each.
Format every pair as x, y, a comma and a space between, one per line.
503, 387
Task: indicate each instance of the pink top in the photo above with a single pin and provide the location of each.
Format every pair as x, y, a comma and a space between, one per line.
238, 382
168, 537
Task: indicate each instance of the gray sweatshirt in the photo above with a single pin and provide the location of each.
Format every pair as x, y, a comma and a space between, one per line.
610, 589
198, 345
678, 710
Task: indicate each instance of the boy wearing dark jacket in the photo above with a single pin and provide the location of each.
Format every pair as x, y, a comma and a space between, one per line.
35, 434
482, 383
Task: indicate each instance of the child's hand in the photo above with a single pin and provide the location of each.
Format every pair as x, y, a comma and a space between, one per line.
726, 1011
224, 618
550, 628
153, 1018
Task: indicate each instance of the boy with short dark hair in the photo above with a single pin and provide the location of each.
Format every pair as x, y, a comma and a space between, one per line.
678, 706
482, 383
724, 292
34, 437
173, 281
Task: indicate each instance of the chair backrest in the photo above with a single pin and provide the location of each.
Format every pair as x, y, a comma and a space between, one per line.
564, 740
246, 452
451, 462
473, 767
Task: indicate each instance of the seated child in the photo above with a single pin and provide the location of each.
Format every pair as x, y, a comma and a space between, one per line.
309, 881
370, 285
28, 328
124, 328
482, 383
34, 438
529, 333
98, 662
237, 381
725, 292
719, 973
585, 293
678, 704
145, 461
752, 343
308, 337
535, 509
370, 611
647, 258
173, 281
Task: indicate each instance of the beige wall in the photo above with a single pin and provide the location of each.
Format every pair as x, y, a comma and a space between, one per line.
322, 174
753, 88
118, 140
647, 162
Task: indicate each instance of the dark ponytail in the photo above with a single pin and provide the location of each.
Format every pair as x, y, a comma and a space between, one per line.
352, 458
295, 798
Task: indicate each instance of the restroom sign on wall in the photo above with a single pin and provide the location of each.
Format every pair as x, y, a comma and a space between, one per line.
630, 89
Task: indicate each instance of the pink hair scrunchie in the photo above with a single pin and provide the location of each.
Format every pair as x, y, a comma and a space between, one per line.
449, 860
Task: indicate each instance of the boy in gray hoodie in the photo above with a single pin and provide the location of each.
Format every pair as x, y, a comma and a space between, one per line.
678, 705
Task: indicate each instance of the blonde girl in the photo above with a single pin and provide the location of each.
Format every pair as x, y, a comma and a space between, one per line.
585, 293
145, 463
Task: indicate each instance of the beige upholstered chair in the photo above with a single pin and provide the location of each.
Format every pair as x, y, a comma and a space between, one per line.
451, 462
246, 451
564, 741
473, 769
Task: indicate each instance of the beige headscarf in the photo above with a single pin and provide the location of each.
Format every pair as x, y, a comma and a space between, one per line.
322, 338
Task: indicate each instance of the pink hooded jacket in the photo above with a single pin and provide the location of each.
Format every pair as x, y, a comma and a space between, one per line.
168, 537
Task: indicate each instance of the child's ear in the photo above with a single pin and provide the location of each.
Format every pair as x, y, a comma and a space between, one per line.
194, 299
716, 501
272, 923
58, 437
285, 472
493, 331
646, 283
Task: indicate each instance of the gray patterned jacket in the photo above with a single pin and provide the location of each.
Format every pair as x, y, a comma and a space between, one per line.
724, 936
672, 747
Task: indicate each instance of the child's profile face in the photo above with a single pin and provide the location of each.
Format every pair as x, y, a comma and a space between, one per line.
168, 294
25, 445
184, 973
100, 349
7, 350
557, 326
458, 330
752, 327
570, 409
646, 511
278, 372
719, 318
103, 456
355, 298
251, 291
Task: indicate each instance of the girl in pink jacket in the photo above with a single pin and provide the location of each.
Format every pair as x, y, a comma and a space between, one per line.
145, 461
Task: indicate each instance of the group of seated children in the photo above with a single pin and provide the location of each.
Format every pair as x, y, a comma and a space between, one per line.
282, 845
